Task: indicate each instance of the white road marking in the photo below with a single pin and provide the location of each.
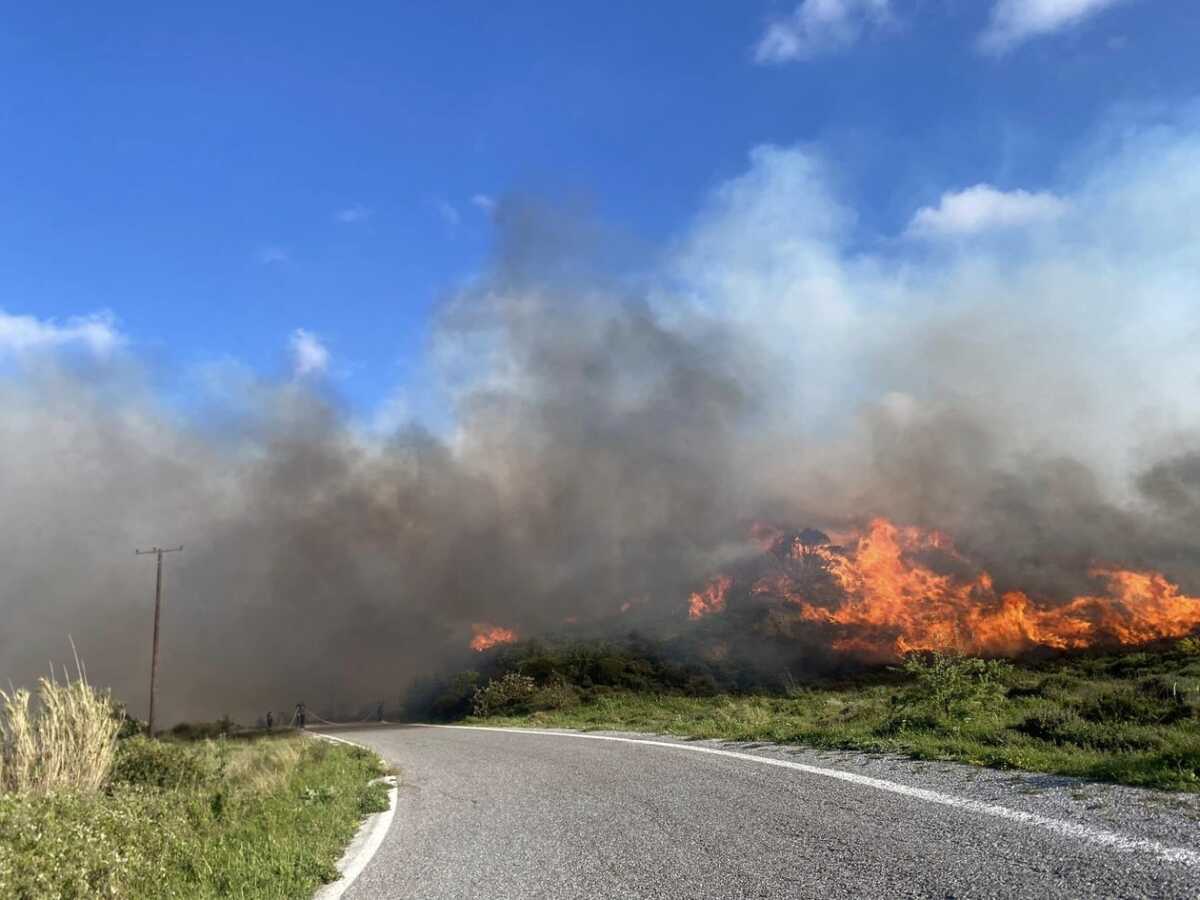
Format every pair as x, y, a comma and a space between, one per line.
380, 823
1100, 836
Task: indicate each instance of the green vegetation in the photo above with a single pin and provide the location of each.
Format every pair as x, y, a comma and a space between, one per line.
259, 817
86, 813
567, 669
1129, 717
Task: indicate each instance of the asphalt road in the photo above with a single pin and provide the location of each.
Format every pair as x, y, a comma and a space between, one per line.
495, 815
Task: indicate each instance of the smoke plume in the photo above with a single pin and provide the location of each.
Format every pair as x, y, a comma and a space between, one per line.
615, 432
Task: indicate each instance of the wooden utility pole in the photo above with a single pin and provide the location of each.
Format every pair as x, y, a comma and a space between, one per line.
158, 552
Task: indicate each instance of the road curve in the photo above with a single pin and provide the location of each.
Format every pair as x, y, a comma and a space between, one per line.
496, 815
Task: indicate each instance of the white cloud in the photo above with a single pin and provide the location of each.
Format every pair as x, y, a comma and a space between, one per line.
984, 208
352, 215
449, 214
485, 202
309, 355
816, 27
1015, 21
271, 256
21, 334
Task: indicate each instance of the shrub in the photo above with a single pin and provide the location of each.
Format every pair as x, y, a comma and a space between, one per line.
455, 698
512, 694
1065, 728
1054, 725
1058, 686
1189, 646
67, 741
1147, 703
162, 764
951, 689
68, 844
127, 725
555, 695
203, 731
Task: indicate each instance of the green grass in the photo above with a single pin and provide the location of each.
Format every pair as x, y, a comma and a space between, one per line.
1132, 718
262, 817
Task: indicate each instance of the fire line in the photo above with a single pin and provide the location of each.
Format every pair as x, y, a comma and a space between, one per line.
881, 601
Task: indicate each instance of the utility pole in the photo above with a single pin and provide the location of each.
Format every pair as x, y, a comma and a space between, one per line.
158, 552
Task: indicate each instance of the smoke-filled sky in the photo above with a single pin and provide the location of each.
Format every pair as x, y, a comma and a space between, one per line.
600, 407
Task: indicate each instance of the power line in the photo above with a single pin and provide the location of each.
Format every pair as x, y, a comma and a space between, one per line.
158, 552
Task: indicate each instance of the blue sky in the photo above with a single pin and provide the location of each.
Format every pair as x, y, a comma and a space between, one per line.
210, 181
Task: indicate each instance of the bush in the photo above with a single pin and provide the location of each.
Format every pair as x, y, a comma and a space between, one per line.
69, 844
203, 731
127, 725
1054, 725
455, 698
1058, 686
555, 695
1149, 702
634, 665
512, 693
162, 764
950, 690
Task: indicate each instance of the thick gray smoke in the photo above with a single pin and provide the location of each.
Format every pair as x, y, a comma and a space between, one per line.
593, 462
1030, 391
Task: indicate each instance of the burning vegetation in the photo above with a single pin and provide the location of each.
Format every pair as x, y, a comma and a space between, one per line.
489, 636
711, 599
890, 590
601, 442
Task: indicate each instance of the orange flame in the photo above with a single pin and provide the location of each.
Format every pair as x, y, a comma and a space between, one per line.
488, 636
890, 604
711, 599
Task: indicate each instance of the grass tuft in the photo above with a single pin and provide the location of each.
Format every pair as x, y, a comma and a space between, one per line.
67, 740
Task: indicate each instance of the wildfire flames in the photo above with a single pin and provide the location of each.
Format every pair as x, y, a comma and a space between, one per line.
884, 600
711, 599
488, 636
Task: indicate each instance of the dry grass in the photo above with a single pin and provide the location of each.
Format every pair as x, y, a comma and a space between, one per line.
68, 739
268, 768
